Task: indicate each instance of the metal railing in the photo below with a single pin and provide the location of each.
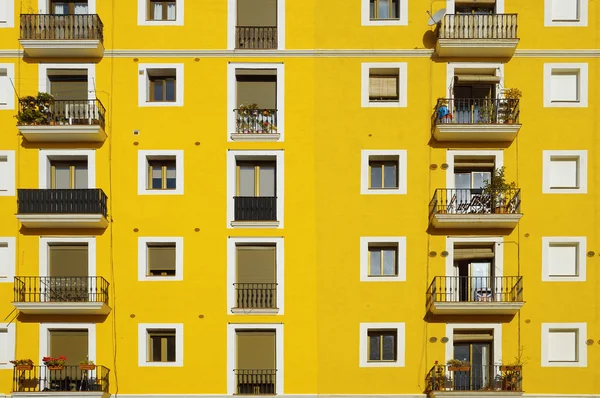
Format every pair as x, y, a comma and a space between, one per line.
478, 26
256, 295
69, 378
255, 381
61, 27
255, 208
62, 201
65, 112
475, 201
474, 378
477, 111
60, 289
255, 121
256, 37
475, 289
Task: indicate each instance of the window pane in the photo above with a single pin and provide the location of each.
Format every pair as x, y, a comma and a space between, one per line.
157, 95
374, 348
390, 176
389, 262
394, 9
267, 180
170, 83
246, 181
155, 345
61, 8
372, 9
376, 175
375, 262
62, 176
462, 180
479, 178
384, 9
171, 349
81, 8
157, 11
171, 177
389, 347
81, 177
171, 11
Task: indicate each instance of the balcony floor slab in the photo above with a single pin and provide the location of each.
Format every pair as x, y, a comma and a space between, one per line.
63, 220
476, 132
476, 48
63, 48
474, 221
68, 133
57, 308
476, 308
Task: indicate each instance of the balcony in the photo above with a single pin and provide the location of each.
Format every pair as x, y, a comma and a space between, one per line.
255, 297
475, 295
474, 380
476, 119
62, 208
255, 125
61, 295
472, 208
255, 210
40, 381
256, 37
62, 36
481, 36
62, 121
255, 381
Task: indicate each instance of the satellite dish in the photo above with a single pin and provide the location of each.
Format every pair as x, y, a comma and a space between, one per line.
437, 17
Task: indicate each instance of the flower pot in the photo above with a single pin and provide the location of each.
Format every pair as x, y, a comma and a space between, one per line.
500, 210
60, 367
442, 211
87, 367
459, 368
23, 367
507, 368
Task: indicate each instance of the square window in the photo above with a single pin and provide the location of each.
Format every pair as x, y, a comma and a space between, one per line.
565, 172
160, 85
384, 9
566, 85
160, 12
384, 12
563, 344
160, 172
383, 260
382, 345
565, 10
566, 13
383, 172
160, 258
160, 344
384, 85
563, 259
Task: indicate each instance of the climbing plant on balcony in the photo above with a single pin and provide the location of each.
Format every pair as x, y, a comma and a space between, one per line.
35, 110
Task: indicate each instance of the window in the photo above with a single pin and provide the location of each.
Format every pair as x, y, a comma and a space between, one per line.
383, 261
76, 341
68, 174
7, 14
160, 258
7, 345
67, 169
69, 7
566, 85
382, 345
383, 172
564, 259
566, 13
384, 13
160, 344
7, 173
7, 92
160, 12
256, 179
160, 172
384, 85
564, 172
383, 9
563, 344
160, 85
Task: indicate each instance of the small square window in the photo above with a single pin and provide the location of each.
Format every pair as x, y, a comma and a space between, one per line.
566, 13
161, 345
383, 172
384, 12
162, 174
563, 259
161, 259
564, 344
383, 260
160, 85
566, 85
565, 172
384, 85
7, 173
384, 9
159, 10
382, 345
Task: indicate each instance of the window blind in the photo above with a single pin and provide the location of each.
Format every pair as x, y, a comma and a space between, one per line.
256, 349
161, 258
383, 87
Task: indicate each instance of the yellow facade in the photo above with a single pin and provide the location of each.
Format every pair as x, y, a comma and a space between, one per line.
325, 214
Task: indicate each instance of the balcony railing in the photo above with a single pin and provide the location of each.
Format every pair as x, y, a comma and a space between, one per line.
477, 111
255, 121
469, 26
475, 201
256, 37
62, 112
255, 381
256, 295
475, 289
61, 289
61, 27
62, 201
69, 378
474, 378
255, 208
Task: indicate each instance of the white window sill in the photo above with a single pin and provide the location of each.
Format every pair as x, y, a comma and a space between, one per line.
255, 224
255, 311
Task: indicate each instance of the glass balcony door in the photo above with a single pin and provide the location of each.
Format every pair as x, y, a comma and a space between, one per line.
477, 354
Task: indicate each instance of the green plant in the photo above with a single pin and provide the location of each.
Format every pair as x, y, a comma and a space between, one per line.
513, 94
21, 362
457, 363
52, 361
497, 188
35, 110
86, 361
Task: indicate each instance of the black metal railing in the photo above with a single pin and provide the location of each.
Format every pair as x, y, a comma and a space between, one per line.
255, 381
60, 289
478, 26
61, 27
255, 121
477, 111
256, 37
474, 378
62, 112
475, 201
256, 295
475, 289
62, 201
69, 378
255, 208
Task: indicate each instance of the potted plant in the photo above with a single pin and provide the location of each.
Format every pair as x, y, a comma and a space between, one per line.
496, 190
87, 365
456, 365
35, 110
512, 96
55, 363
251, 120
22, 364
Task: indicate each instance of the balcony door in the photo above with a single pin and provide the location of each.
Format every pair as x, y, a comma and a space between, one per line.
256, 277
470, 176
68, 272
256, 179
69, 7
68, 174
473, 102
256, 362
476, 349
69, 87
475, 270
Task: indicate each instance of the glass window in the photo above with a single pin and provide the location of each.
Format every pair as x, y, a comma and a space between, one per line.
159, 10
384, 174
382, 345
382, 261
162, 174
384, 9
161, 345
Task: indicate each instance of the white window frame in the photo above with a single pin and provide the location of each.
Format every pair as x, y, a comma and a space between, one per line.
231, 273
44, 81
143, 344
496, 327
232, 157
10, 242
143, 11
582, 346
232, 352
400, 244
10, 14
451, 4
143, 258
232, 22
363, 357
365, 156
143, 172
583, 15
451, 154
144, 85
232, 94
45, 338
583, 85
366, 15
402, 83
11, 345
10, 162
580, 241
10, 75
44, 6
583, 171
48, 155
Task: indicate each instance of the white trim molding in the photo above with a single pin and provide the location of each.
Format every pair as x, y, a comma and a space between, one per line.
581, 70
580, 345
402, 84
9, 174
497, 330
402, 171
451, 154
144, 85
143, 182
580, 19
11, 335
579, 242
44, 82
232, 22
365, 15
45, 156
45, 338
580, 156
400, 328
10, 90
44, 252
232, 328
142, 15
398, 242
143, 258
143, 344
9, 242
